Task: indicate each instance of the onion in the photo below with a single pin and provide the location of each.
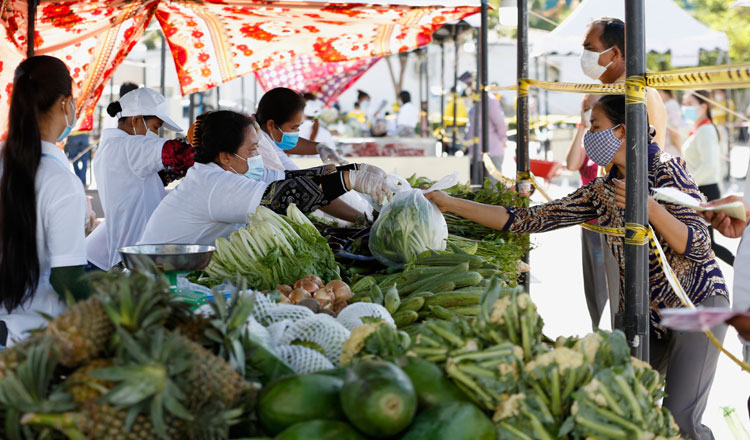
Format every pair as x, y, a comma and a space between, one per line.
341, 291
324, 295
298, 284
298, 295
311, 304
284, 289
310, 286
285, 300
313, 279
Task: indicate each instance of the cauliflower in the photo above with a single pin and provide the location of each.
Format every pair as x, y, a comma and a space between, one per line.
509, 407
498, 310
592, 391
356, 340
524, 301
589, 345
565, 358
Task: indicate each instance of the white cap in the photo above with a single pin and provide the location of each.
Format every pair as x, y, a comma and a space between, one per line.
147, 102
313, 108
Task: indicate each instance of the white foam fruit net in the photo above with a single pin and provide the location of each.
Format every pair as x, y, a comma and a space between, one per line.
351, 316
321, 330
303, 360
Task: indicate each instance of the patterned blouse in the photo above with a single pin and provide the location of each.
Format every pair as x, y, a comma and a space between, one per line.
696, 269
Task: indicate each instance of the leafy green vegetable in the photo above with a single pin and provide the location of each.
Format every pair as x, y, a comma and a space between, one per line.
273, 250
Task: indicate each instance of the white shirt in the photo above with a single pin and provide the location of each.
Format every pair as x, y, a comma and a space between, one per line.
125, 167
408, 115
324, 136
209, 203
702, 152
274, 157
60, 219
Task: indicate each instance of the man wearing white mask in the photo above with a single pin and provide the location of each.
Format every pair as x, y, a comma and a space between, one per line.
603, 59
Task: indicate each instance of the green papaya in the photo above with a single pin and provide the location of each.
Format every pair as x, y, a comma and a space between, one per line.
451, 421
296, 399
378, 398
320, 430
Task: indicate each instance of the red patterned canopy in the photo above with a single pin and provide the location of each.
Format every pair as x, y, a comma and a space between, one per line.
212, 41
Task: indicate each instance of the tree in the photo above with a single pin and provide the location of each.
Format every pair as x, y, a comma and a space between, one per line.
734, 22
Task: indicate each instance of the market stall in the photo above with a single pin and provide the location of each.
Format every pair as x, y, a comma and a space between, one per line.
413, 328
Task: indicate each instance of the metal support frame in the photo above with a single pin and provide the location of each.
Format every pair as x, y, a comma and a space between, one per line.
522, 109
455, 90
30, 27
428, 93
442, 92
636, 317
483, 79
162, 74
474, 118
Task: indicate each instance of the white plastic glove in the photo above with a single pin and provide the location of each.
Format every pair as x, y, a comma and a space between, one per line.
372, 169
329, 155
371, 184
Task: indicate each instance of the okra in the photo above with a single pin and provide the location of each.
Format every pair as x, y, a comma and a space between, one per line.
450, 260
391, 300
419, 294
363, 284
445, 287
376, 294
452, 299
414, 304
434, 280
465, 310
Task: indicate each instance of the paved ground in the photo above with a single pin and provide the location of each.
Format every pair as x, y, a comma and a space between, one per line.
557, 289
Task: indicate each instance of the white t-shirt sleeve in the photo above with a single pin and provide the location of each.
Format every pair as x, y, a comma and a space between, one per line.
64, 231
233, 197
285, 160
144, 155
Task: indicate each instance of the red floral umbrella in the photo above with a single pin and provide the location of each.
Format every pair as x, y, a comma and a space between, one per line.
308, 74
212, 41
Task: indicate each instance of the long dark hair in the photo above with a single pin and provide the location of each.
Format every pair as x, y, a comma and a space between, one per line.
613, 107
702, 96
279, 105
217, 132
38, 83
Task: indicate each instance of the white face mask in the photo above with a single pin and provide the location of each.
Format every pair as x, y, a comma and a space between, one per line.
590, 63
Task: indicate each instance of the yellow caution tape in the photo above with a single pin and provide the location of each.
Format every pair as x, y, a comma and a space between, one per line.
718, 77
523, 88
493, 171
599, 89
635, 90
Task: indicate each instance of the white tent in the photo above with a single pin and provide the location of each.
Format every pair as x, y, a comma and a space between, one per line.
669, 28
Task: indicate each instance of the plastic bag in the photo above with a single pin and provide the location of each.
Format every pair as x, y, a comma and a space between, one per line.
410, 224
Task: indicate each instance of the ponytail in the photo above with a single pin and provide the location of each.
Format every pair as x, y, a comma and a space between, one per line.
38, 83
702, 97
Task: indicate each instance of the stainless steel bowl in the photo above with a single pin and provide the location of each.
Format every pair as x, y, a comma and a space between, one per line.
168, 257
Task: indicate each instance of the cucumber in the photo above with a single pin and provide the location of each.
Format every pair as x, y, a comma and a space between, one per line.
404, 318
450, 260
467, 279
466, 310
431, 384
320, 430
392, 301
363, 284
451, 421
414, 304
434, 280
376, 294
378, 398
445, 287
298, 399
452, 299
418, 294
440, 313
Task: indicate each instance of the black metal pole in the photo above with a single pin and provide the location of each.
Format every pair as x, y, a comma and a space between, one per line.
475, 118
428, 93
522, 113
218, 98
636, 318
455, 89
483, 80
442, 93
191, 108
30, 27
162, 79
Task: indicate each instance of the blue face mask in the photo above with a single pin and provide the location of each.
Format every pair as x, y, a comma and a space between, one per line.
68, 125
690, 113
254, 167
288, 140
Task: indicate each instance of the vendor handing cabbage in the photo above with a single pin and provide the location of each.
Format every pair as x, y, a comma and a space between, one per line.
229, 181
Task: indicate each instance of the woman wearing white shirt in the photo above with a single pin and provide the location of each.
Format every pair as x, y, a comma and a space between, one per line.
229, 181
132, 165
279, 114
702, 152
408, 115
43, 204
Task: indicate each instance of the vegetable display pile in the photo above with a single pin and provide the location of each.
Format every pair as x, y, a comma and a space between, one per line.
273, 250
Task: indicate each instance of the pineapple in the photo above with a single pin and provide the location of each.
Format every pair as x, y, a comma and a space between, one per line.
81, 332
193, 327
212, 378
85, 388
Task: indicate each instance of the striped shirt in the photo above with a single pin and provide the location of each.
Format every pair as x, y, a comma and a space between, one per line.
696, 269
